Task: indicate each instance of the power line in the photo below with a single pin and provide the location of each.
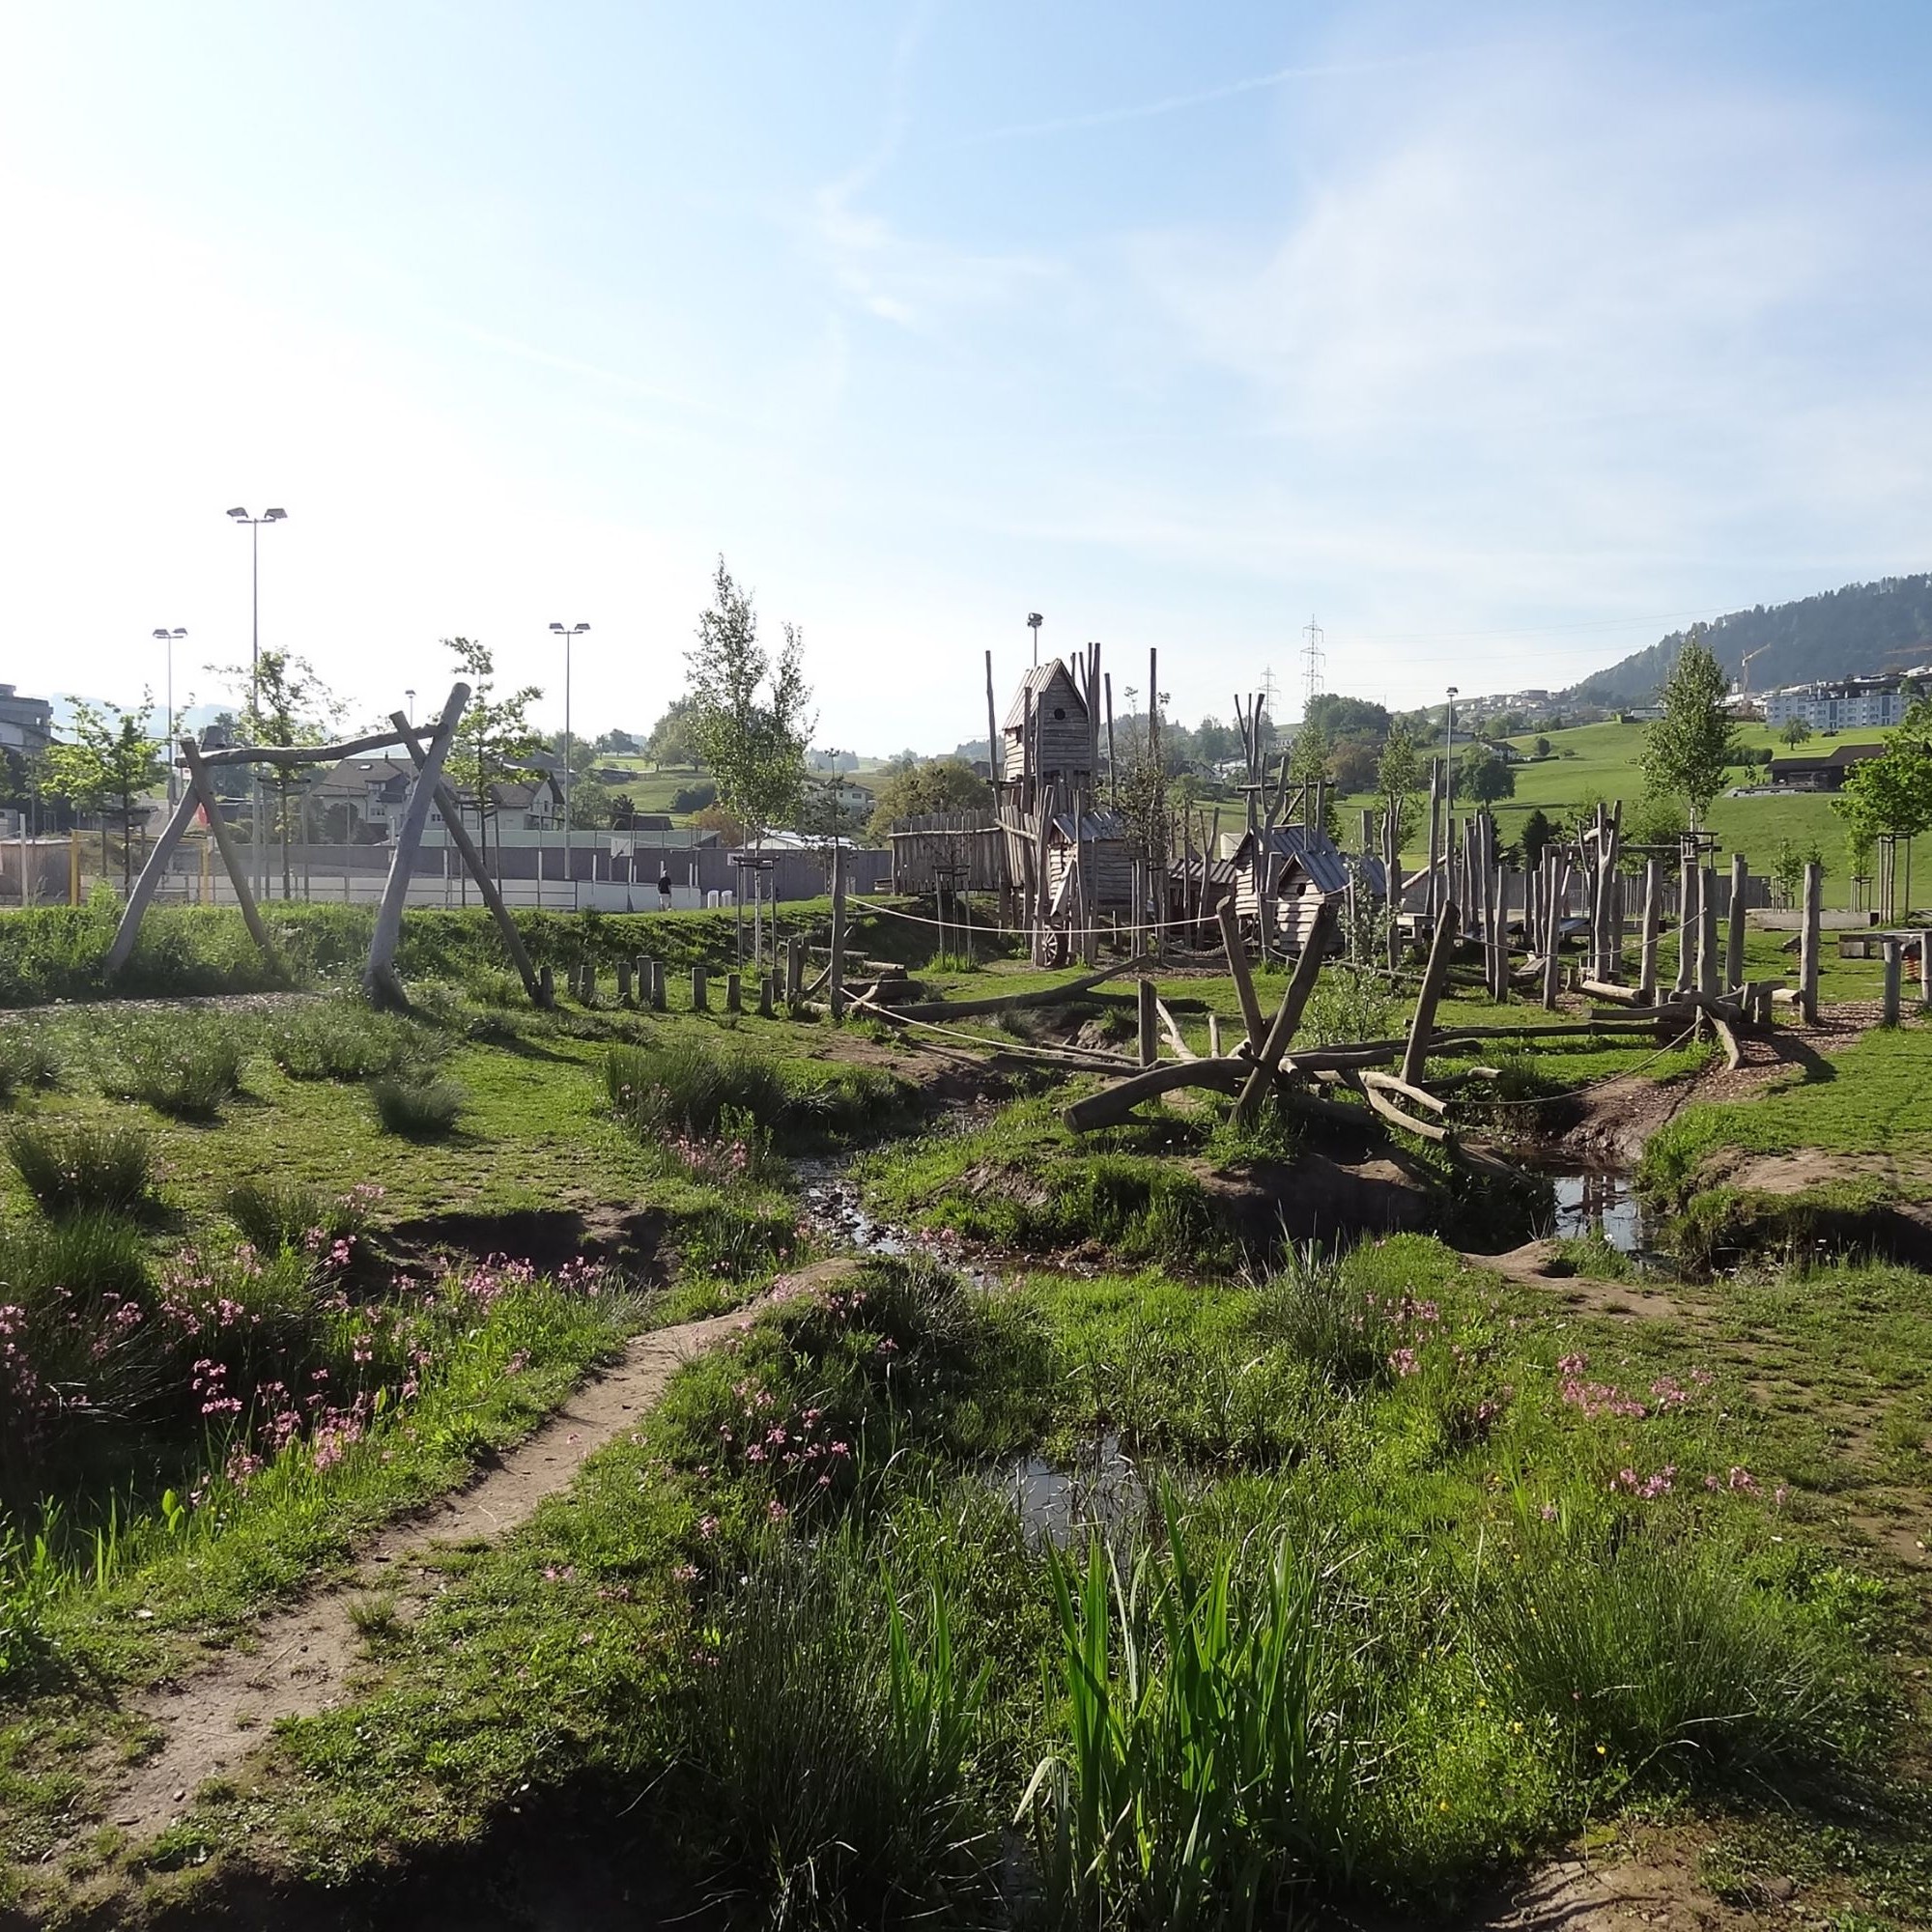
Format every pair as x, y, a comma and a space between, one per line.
1313, 661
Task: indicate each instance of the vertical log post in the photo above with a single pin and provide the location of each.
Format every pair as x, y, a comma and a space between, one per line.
794, 969
546, 986
1150, 1025
224, 843
1434, 977
1894, 959
623, 982
379, 976
1238, 971
1552, 944
734, 993
835, 983
1687, 924
1653, 894
1734, 953
700, 991
768, 993
660, 999
1807, 942
1706, 931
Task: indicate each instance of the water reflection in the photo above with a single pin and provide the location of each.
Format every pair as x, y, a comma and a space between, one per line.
1599, 1201
1100, 1490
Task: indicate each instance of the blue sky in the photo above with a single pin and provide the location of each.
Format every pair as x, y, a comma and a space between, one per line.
1502, 338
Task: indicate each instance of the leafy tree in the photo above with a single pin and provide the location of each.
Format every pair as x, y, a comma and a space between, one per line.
1658, 819
694, 797
495, 744
1796, 732
672, 742
107, 763
1688, 751
1787, 869
1308, 765
1352, 767
1215, 743
1486, 775
1539, 749
939, 784
1892, 793
619, 744
1338, 717
284, 703
1537, 832
749, 717
722, 820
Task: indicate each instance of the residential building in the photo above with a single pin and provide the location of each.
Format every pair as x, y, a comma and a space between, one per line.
360, 800
1840, 704
26, 723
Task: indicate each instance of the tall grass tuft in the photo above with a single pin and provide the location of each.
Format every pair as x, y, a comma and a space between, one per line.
282, 1214
685, 1084
343, 1038
88, 1253
1657, 1654
29, 1061
1308, 1305
183, 1063
1207, 1772
76, 1167
416, 1110
827, 1748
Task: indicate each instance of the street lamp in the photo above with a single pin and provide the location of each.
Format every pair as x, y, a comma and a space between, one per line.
167, 639
255, 524
1449, 752
566, 632
1034, 622
410, 693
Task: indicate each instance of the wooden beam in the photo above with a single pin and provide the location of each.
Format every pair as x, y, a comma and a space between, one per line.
451, 807
1807, 952
1172, 1028
152, 874
1426, 1130
1394, 1084
1307, 970
1238, 969
1434, 977
379, 976
198, 779
835, 978
300, 754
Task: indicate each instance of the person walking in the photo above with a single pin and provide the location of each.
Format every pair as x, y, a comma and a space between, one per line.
663, 888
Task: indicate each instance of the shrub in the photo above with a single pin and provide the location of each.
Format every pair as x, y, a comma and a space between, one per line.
1311, 1308
828, 1751
343, 1039
1659, 1654
74, 1166
416, 1110
183, 1063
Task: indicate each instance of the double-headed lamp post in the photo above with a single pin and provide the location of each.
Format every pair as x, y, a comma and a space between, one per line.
566, 632
255, 524
168, 638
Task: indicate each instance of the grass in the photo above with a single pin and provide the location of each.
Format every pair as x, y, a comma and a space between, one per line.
185, 1064
417, 1109
342, 1039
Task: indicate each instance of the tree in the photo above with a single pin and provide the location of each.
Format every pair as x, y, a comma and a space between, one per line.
1539, 749
1796, 732
1340, 717
1353, 767
1397, 772
1537, 832
672, 742
283, 702
722, 820
749, 717
107, 765
1688, 751
496, 743
939, 784
619, 744
1486, 775
1892, 794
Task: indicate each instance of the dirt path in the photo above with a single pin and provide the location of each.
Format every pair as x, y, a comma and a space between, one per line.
303, 1654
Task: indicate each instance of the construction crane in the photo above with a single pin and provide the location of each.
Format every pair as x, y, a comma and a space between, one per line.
1744, 669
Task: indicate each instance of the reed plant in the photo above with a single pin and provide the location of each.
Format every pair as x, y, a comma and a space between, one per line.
416, 1109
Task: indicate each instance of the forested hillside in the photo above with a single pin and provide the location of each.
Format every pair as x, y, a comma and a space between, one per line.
1862, 629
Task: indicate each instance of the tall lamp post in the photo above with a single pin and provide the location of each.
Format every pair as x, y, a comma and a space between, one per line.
1034, 622
566, 632
255, 524
1449, 752
167, 639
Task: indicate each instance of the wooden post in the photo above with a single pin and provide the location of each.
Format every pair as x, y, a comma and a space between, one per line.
1734, 957
734, 995
1925, 966
379, 976
623, 982
152, 874
1552, 942
836, 979
197, 775
1238, 971
1434, 977
1653, 892
546, 986
768, 993
660, 999
1213, 1036
1436, 892
1149, 1025
588, 990
1707, 964
1307, 969
451, 807
1894, 956
700, 991
1687, 922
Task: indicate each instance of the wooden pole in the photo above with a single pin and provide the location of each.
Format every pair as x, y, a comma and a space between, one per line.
1734, 955
835, 982
1894, 956
1686, 922
451, 807
1552, 943
995, 763
700, 990
1653, 892
1238, 971
1434, 977
1213, 1036
224, 844
1307, 970
152, 874
1149, 1026
1708, 965
1807, 945
379, 976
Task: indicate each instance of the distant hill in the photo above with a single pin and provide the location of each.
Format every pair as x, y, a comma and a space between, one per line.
1862, 630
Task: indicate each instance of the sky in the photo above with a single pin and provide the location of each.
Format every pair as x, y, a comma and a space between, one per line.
1499, 339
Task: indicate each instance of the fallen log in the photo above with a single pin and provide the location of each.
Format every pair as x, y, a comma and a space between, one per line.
1112, 1105
1734, 1054
1390, 1083
1621, 996
1427, 1129
1009, 1003
1172, 1027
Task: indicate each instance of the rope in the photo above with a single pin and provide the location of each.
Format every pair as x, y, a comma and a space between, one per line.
967, 928
1602, 1080
1100, 1065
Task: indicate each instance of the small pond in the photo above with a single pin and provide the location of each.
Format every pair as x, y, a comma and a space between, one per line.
1600, 1200
1059, 1503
